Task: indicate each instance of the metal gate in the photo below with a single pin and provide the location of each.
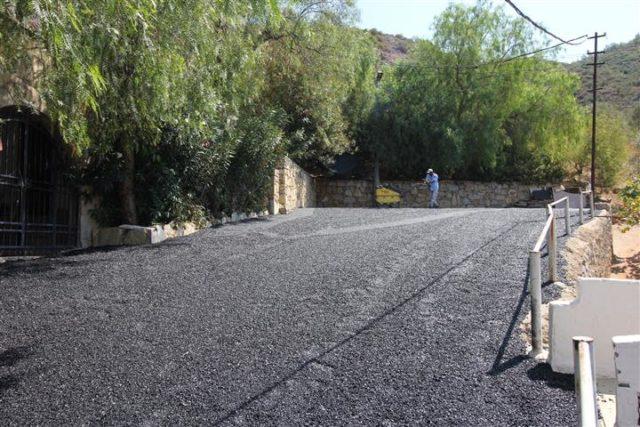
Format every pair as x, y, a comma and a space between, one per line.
38, 210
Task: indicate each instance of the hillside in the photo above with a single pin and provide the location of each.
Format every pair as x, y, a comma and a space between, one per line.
619, 77
391, 47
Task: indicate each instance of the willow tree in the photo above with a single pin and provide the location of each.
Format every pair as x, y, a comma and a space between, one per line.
615, 139
459, 103
320, 72
116, 75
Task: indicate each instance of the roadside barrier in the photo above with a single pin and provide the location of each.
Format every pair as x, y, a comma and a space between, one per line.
549, 235
535, 270
591, 204
585, 383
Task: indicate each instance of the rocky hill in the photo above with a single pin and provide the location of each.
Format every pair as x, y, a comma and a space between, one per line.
392, 47
619, 77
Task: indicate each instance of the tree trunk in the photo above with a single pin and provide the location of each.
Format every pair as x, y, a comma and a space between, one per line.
127, 186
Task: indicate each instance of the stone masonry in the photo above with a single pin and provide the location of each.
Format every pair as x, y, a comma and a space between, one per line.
339, 193
453, 194
293, 188
589, 251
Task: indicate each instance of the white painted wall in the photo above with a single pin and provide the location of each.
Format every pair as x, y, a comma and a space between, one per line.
603, 309
87, 225
627, 357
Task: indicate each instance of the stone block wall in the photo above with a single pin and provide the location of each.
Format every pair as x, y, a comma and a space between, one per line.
293, 188
589, 251
343, 193
453, 194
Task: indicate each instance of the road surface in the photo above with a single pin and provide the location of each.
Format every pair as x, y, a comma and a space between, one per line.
325, 316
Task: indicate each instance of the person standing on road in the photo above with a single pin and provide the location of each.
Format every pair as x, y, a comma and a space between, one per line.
434, 186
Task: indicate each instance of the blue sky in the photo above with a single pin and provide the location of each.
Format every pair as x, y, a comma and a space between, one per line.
620, 19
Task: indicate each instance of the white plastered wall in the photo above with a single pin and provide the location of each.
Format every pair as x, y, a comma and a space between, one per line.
603, 309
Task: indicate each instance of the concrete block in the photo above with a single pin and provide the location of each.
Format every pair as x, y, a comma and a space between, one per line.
603, 309
627, 361
110, 236
190, 228
136, 235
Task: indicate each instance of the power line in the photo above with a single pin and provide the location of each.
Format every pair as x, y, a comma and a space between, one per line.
512, 58
548, 48
540, 27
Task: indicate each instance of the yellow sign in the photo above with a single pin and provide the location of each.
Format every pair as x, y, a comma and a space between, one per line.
384, 196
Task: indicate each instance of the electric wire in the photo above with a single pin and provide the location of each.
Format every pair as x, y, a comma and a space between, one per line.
540, 27
502, 61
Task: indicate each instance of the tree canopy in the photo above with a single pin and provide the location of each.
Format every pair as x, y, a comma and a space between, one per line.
459, 104
170, 103
178, 110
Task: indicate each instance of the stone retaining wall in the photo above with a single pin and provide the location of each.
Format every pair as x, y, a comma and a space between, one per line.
343, 193
453, 194
293, 188
589, 251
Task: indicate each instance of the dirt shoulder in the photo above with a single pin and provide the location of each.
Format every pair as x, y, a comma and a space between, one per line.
626, 248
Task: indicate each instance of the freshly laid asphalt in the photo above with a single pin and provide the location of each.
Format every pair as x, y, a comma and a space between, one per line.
321, 317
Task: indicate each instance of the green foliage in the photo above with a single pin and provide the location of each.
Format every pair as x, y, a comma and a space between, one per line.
629, 213
320, 73
613, 144
635, 117
149, 91
179, 108
455, 106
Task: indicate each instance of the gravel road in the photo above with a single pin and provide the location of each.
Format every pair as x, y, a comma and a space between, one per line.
324, 316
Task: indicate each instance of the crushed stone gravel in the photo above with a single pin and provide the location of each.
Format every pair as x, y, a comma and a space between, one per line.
321, 317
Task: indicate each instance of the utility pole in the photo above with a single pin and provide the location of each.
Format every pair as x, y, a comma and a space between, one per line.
594, 90
376, 160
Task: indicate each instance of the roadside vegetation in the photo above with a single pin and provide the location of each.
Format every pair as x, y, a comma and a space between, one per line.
178, 110
629, 212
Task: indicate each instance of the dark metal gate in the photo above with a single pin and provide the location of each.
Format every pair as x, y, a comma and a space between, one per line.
38, 210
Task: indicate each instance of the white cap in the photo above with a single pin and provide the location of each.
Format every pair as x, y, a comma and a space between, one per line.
430, 171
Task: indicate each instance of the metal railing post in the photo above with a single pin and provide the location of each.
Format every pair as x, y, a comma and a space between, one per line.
585, 385
552, 249
535, 291
567, 217
581, 209
592, 204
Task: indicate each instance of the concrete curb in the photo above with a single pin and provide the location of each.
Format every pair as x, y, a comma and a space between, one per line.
134, 235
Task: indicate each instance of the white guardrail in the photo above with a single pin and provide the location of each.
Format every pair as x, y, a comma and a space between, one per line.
549, 235
585, 383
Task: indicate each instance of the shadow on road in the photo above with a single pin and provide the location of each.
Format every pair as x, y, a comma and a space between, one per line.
543, 372
42, 265
10, 357
498, 365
